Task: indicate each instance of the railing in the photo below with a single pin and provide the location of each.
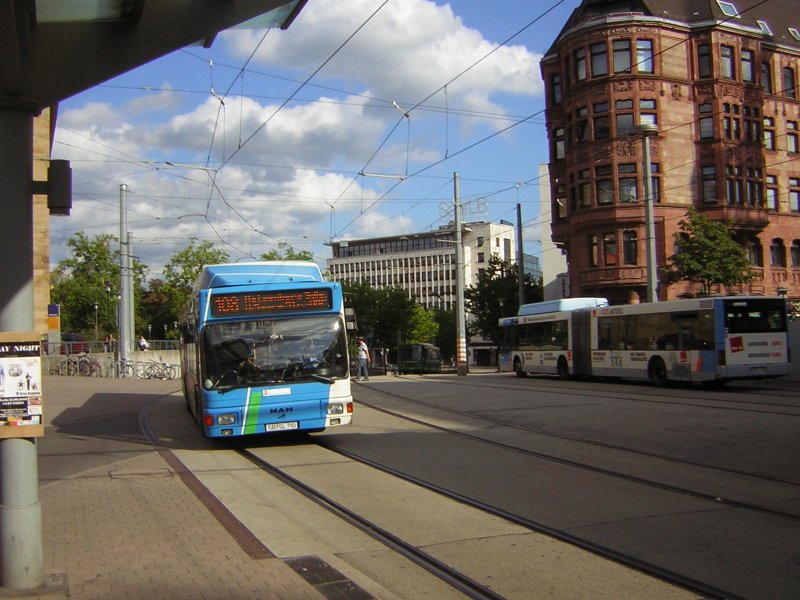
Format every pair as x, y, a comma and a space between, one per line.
106, 365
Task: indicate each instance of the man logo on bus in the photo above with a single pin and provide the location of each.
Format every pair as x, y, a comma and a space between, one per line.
282, 411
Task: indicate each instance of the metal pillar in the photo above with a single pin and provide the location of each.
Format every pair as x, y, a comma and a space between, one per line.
21, 554
124, 279
461, 329
652, 282
520, 261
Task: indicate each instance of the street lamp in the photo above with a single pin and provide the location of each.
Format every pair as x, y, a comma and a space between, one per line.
648, 130
95, 321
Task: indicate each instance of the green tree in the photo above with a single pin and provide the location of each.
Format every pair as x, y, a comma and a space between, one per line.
446, 338
181, 272
288, 253
381, 314
706, 253
89, 277
496, 295
422, 326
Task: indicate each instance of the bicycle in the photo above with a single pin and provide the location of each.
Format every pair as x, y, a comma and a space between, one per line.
163, 370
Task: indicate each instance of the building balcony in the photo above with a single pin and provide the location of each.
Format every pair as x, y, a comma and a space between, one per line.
752, 219
621, 275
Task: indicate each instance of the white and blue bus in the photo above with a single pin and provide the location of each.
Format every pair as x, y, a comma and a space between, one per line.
264, 349
702, 340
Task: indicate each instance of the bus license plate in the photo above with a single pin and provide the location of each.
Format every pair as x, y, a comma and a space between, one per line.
282, 426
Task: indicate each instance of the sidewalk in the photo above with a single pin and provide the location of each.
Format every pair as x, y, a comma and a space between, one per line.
120, 521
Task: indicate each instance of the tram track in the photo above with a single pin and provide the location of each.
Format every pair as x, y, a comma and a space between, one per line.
571, 438
717, 500
708, 592
647, 396
444, 572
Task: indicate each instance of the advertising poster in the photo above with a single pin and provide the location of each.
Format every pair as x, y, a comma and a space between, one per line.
20, 385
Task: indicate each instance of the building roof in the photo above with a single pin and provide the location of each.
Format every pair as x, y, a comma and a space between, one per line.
779, 15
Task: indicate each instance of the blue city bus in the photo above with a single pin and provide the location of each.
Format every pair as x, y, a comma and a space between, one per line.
704, 340
264, 349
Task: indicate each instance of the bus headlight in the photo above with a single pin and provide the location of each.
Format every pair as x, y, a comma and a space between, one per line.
226, 419
335, 409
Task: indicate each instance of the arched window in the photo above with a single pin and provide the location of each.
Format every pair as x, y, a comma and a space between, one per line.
796, 253
777, 253
754, 253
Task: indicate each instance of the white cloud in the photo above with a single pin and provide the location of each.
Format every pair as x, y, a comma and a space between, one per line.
286, 173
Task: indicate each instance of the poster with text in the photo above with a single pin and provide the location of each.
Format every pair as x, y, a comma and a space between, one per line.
20, 385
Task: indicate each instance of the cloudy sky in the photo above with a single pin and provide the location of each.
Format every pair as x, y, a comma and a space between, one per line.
275, 137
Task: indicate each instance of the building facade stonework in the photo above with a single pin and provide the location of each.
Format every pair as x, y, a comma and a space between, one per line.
719, 82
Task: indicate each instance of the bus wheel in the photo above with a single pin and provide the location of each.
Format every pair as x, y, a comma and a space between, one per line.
518, 368
562, 368
657, 371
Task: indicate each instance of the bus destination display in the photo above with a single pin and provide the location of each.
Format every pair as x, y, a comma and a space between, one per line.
250, 303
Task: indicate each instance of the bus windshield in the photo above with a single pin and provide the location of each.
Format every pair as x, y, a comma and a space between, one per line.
266, 351
755, 316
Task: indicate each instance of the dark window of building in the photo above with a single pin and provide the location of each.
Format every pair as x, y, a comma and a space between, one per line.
735, 185
755, 187
600, 121
791, 137
580, 64
625, 125
610, 257
789, 83
795, 253
726, 62
772, 192
752, 125
555, 89
558, 143
630, 249
585, 188
622, 56
747, 60
604, 185
602, 127
754, 254
627, 184
769, 133
581, 125
644, 56
777, 253
704, 60
707, 121
709, 184
599, 60
593, 251
794, 194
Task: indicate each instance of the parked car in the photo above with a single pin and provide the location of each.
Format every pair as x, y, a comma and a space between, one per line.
73, 343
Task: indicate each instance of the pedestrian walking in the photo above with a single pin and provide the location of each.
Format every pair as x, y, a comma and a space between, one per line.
362, 370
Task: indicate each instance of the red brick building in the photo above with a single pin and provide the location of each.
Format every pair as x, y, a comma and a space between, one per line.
719, 80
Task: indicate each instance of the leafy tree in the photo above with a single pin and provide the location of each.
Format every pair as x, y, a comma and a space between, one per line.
496, 295
181, 272
91, 276
289, 253
422, 326
446, 338
381, 314
706, 253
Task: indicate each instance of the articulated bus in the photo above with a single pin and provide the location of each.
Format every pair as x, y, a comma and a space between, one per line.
264, 349
702, 340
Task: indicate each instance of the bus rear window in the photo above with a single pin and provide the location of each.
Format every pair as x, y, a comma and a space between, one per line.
755, 316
